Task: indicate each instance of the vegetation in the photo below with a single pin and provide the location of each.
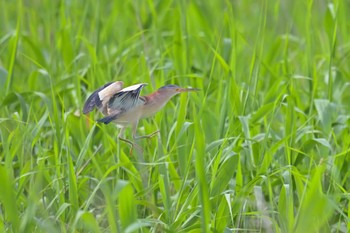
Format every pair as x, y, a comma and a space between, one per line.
263, 147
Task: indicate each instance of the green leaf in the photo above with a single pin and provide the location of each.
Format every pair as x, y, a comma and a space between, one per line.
315, 208
127, 207
8, 199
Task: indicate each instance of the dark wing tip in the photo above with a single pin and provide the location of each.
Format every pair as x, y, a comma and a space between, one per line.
87, 109
91, 102
94, 100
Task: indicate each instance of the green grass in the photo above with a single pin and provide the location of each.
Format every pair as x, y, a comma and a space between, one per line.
263, 147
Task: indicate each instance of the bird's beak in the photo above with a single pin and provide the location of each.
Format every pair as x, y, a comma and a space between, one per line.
187, 89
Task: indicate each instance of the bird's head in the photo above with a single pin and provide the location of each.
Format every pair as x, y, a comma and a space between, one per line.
171, 90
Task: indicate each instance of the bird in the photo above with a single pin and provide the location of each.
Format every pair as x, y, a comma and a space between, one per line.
125, 107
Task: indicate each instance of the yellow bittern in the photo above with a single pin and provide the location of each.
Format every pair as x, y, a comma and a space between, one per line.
125, 106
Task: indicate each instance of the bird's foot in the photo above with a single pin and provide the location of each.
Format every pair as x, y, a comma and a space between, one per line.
132, 144
146, 136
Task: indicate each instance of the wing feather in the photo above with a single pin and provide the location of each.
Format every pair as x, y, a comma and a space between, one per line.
113, 101
100, 97
125, 99
93, 100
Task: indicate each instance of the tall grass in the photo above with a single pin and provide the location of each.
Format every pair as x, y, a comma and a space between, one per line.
263, 147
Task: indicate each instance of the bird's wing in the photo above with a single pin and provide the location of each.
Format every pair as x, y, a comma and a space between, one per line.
123, 101
100, 97
110, 90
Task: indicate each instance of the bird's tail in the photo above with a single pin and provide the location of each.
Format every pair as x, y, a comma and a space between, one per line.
108, 119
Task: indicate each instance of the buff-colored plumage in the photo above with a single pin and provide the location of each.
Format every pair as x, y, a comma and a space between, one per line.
125, 106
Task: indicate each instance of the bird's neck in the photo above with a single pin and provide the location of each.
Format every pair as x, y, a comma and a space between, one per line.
155, 102
159, 99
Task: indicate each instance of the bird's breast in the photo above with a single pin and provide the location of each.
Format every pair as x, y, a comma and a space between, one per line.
130, 116
150, 109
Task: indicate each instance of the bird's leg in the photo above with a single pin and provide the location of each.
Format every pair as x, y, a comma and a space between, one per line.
121, 134
132, 144
146, 136
135, 137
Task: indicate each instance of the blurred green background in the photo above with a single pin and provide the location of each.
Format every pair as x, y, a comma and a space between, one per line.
263, 147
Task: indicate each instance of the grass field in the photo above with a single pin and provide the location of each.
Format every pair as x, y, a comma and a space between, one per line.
263, 147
